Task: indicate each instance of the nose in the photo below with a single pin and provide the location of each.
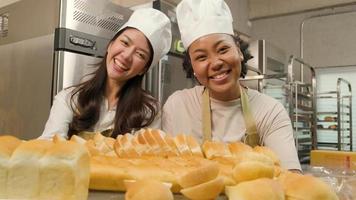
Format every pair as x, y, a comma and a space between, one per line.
127, 54
216, 63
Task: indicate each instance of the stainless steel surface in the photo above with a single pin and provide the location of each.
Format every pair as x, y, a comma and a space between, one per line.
96, 17
72, 68
341, 110
30, 63
104, 195
301, 93
25, 86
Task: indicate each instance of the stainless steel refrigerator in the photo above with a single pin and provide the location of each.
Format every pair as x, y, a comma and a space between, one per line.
45, 46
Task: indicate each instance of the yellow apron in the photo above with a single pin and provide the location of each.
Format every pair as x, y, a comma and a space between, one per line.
251, 137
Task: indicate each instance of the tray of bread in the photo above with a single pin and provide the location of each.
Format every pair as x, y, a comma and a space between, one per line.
148, 164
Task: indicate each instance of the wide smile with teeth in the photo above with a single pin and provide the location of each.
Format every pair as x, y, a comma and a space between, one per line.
220, 76
121, 66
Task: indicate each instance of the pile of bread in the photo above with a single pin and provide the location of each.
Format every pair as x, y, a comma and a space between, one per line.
153, 164
41, 169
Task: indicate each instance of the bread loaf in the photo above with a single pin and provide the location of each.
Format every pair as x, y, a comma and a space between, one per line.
148, 189
213, 149
199, 175
207, 190
182, 145
24, 169
64, 172
7, 145
305, 187
237, 148
250, 170
256, 190
269, 153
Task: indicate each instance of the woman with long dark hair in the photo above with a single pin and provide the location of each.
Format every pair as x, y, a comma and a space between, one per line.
113, 100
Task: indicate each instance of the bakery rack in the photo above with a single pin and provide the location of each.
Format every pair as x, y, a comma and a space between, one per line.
301, 100
335, 117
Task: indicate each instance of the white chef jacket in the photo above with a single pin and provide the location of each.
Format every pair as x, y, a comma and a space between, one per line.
61, 116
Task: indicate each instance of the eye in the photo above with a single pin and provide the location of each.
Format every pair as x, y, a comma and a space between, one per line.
223, 49
124, 42
200, 58
141, 55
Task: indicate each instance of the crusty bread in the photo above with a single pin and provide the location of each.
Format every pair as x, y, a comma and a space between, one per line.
199, 175
250, 170
258, 189
254, 156
24, 169
7, 145
170, 142
237, 148
207, 190
213, 149
64, 172
305, 187
104, 144
58, 138
148, 189
166, 149
182, 145
194, 146
128, 145
269, 153
108, 173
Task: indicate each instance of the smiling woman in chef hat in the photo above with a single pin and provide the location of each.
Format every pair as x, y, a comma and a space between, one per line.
220, 108
113, 98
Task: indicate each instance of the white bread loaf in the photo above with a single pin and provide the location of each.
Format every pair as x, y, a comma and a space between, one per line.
207, 190
7, 145
64, 172
199, 175
24, 169
148, 189
305, 187
258, 189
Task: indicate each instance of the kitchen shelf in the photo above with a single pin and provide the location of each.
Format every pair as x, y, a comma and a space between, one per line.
340, 101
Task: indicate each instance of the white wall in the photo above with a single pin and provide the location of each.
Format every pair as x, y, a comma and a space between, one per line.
7, 2
327, 40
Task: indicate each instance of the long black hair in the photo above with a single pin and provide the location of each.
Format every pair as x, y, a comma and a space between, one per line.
136, 108
241, 44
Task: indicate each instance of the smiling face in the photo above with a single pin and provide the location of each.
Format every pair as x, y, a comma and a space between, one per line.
128, 55
216, 62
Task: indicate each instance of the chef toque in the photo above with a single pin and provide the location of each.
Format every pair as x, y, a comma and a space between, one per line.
197, 18
156, 27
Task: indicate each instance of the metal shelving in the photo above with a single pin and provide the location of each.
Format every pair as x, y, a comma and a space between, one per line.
335, 118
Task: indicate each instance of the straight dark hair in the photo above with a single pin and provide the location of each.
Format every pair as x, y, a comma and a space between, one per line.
136, 107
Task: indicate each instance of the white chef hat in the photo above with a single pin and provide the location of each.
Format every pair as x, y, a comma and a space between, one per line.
156, 27
197, 18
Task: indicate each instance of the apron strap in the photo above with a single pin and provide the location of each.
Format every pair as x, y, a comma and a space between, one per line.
251, 136
206, 116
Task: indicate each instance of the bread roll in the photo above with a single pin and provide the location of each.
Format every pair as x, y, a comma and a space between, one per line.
269, 153
24, 169
213, 149
305, 187
237, 148
250, 170
256, 190
7, 145
148, 189
64, 172
199, 175
207, 190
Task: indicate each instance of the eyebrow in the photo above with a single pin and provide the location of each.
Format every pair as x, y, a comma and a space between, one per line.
130, 40
214, 46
